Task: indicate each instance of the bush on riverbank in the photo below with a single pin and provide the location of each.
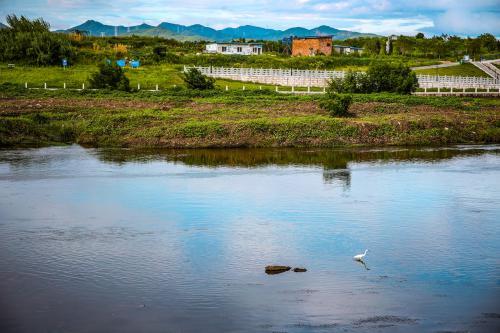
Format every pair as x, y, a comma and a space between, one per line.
337, 104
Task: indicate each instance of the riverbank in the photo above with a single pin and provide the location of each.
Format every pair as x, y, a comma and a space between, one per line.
179, 118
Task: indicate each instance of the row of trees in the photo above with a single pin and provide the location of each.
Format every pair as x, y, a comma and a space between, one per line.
32, 42
439, 47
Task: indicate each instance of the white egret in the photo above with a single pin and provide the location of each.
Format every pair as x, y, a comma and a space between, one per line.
360, 257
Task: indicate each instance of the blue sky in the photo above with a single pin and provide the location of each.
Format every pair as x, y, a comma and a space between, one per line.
461, 17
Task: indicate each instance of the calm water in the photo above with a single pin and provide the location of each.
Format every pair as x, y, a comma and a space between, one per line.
177, 241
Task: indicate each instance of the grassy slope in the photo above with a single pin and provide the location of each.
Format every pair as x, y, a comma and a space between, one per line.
459, 70
219, 119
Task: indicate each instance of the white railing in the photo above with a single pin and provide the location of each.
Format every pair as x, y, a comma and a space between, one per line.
231, 71
319, 78
459, 82
485, 68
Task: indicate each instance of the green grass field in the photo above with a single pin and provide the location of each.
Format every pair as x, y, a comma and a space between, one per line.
459, 70
75, 76
165, 76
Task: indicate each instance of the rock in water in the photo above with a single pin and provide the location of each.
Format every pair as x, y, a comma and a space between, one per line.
277, 269
299, 270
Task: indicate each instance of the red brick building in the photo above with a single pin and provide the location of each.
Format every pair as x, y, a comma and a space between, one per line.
310, 46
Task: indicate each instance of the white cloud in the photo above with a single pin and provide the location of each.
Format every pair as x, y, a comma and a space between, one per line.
463, 22
333, 6
391, 26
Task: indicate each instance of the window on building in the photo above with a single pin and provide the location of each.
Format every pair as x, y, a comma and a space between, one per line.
239, 49
224, 49
328, 44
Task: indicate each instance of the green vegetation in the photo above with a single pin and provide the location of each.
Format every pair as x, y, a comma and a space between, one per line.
147, 76
380, 77
195, 80
213, 118
337, 104
458, 70
32, 42
257, 117
391, 77
110, 76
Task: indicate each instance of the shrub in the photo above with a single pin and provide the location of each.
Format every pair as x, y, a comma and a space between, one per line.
109, 76
195, 80
392, 77
353, 82
337, 104
381, 77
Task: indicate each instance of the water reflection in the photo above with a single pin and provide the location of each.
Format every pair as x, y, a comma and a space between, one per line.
329, 159
335, 162
362, 263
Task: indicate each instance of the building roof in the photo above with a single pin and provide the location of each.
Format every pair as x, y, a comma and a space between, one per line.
248, 44
313, 37
348, 47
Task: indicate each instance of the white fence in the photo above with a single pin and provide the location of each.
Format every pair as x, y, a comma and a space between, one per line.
280, 77
458, 82
319, 78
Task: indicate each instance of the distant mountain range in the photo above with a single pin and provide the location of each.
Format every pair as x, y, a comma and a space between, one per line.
2, 26
201, 32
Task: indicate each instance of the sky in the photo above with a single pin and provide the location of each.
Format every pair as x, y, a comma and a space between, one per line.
459, 17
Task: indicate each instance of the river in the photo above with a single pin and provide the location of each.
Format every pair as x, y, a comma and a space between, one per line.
118, 240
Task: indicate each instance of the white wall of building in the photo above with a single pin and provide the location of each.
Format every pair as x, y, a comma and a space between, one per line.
227, 48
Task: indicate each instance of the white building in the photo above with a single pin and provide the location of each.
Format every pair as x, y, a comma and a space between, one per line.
234, 48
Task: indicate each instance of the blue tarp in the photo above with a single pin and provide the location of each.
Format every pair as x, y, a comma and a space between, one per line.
121, 62
135, 63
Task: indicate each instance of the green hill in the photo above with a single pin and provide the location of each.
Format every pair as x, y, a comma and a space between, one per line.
164, 33
201, 32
